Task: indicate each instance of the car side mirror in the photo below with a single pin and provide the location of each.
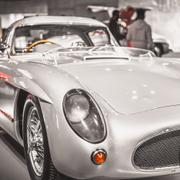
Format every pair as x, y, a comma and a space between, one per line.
3, 46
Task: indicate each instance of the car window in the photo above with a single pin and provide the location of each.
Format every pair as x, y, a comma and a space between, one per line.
27, 38
39, 38
99, 37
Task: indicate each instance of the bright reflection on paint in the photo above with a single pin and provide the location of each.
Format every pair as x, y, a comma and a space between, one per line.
165, 64
152, 92
134, 97
108, 69
76, 77
134, 92
145, 85
130, 70
22, 84
25, 73
5, 67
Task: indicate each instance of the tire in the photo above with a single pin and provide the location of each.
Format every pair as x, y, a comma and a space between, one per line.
36, 146
158, 50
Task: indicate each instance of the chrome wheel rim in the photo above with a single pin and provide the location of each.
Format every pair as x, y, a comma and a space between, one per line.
35, 141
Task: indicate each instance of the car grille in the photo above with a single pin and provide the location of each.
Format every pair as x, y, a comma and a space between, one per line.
158, 152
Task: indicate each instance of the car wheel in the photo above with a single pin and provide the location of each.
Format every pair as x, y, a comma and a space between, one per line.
36, 146
158, 50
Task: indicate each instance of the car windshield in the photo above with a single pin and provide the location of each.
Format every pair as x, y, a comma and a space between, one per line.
61, 55
30, 38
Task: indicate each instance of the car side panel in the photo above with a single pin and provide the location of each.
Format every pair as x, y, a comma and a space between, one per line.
8, 96
7, 101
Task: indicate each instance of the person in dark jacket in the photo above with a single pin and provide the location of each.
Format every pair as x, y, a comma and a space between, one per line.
114, 27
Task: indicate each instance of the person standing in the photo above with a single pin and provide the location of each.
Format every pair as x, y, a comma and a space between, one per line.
139, 32
114, 27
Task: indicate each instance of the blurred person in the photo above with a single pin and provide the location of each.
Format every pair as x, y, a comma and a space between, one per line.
114, 26
126, 19
139, 32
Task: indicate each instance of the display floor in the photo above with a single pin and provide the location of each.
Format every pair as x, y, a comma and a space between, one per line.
13, 167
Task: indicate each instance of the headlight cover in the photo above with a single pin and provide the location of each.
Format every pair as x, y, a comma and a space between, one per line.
84, 116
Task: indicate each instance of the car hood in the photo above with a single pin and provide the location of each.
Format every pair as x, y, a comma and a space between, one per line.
130, 87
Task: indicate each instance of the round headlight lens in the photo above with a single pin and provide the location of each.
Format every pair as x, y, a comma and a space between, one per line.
84, 116
77, 108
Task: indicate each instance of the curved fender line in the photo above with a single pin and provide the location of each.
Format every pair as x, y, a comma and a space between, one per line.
26, 85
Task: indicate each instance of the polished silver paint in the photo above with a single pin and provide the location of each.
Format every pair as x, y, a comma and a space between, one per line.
129, 91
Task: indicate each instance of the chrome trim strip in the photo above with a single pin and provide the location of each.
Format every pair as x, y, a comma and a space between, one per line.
7, 115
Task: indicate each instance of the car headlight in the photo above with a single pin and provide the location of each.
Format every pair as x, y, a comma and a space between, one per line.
84, 116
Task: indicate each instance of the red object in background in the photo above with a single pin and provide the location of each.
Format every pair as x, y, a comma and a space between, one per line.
126, 14
129, 44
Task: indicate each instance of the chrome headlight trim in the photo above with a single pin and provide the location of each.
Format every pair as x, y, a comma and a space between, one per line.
102, 130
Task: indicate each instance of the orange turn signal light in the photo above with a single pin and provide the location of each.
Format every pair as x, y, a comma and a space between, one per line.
99, 156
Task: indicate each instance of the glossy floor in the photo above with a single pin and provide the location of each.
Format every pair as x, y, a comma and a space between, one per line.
13, 167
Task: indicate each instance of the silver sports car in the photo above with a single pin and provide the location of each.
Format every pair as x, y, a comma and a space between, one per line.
85, 110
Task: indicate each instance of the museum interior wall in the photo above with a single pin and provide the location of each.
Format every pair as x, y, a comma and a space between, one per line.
164, 13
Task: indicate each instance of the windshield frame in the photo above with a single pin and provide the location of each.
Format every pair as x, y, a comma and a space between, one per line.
82, 29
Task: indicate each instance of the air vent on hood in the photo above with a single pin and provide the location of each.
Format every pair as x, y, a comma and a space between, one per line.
104, 57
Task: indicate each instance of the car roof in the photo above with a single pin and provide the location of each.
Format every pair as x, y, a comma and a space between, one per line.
67, 20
